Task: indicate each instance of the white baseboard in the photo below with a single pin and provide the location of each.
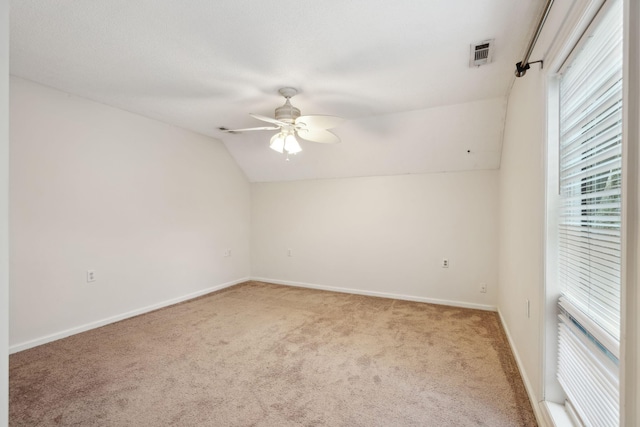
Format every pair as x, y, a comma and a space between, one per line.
542, 416
378, 294
92, 325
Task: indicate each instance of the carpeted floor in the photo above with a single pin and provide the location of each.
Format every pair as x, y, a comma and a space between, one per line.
258, 354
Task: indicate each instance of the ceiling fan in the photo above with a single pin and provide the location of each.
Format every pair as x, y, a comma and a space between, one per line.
291, 126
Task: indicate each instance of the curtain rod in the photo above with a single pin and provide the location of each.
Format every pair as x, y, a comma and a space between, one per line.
523, 66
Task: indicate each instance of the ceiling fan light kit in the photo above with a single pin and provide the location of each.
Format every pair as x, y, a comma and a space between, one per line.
282, 142
291, 126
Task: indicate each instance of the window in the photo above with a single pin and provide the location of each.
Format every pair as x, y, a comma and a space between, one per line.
589, 222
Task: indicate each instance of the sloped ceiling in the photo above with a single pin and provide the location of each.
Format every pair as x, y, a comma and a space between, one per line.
397, 71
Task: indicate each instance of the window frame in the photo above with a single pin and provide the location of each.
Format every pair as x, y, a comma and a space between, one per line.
581, 18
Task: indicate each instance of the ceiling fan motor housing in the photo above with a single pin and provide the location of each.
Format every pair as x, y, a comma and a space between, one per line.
287, 113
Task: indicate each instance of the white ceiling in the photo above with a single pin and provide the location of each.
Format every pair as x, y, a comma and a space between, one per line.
398, 71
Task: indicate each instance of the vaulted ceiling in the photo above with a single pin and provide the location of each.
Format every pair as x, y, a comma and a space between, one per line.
397, 71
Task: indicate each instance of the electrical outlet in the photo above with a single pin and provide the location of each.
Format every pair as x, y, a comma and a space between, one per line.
91, 276
227, 252
289, 252
483, 288
445, 263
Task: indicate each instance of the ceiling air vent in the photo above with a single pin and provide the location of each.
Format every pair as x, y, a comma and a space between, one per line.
481, 53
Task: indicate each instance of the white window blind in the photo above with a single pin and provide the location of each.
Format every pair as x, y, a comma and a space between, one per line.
587, 370
590, 174
589, 221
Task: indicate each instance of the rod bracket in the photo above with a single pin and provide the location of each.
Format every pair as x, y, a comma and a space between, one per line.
521, 70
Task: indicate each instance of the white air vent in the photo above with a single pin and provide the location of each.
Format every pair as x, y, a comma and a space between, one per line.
481, 53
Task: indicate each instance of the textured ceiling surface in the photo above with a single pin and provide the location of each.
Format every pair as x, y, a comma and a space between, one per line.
397, 71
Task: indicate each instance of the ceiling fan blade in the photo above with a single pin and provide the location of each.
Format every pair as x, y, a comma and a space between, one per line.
268, 119
248, 129
318, 135
319, 122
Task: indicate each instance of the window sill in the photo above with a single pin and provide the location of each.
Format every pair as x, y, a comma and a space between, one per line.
557, 414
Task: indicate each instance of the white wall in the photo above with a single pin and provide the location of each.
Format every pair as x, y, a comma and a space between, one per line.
522, 213
4, 212
150, 207
384, 235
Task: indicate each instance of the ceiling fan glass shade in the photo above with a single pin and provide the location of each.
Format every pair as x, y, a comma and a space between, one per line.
291, 144
277, 142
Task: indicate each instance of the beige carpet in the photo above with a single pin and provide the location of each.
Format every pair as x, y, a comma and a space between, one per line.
258, 354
